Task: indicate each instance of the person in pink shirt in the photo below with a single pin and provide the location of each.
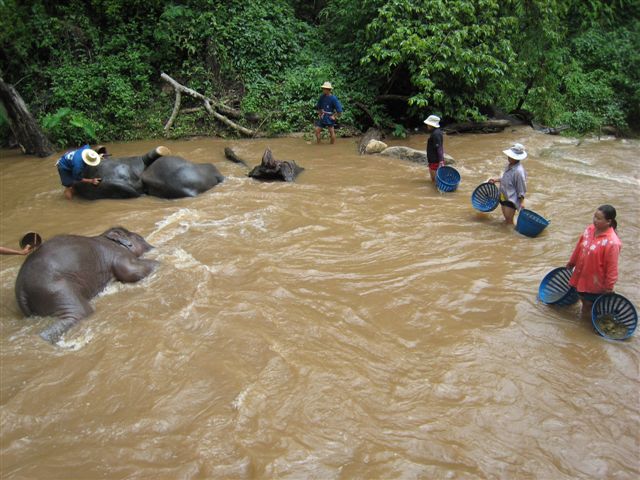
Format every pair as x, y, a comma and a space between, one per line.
595, 258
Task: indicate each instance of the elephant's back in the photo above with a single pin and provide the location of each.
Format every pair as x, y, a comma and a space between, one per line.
59, 262
175, 177
120, 179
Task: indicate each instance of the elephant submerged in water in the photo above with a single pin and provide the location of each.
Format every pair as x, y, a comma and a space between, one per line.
272, 169
156, 173
67, 271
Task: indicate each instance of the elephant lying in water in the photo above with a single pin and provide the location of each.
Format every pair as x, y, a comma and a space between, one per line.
155, 173
272, 169
61, 276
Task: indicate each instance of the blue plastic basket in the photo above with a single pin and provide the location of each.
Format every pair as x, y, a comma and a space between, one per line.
555, 289
612, 308
530, 223
485, 197
447, 179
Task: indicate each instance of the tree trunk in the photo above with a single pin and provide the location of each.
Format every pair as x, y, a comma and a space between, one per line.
28, 134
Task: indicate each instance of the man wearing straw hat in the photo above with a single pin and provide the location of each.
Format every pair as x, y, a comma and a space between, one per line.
329, 110
71, 166
435, 145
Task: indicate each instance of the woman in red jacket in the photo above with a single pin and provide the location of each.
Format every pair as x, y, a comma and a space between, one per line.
595, 258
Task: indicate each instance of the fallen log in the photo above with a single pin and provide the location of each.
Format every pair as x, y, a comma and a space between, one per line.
488, 126
208, 102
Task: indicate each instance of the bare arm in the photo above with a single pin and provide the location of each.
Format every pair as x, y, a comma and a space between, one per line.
11, 251
93, 181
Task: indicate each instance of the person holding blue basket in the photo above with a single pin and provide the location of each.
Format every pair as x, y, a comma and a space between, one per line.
595, 258
435, 145
513, 183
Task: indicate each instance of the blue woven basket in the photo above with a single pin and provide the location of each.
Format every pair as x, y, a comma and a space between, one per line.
447, 179
530, 223
485, 197
612, 308
555, 289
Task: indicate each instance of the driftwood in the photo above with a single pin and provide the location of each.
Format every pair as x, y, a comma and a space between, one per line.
488, 126
23, 126
209, 105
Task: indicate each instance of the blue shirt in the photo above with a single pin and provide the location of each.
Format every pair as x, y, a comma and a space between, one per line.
328, 104
72, 162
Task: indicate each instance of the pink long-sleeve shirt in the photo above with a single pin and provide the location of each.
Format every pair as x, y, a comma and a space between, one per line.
595, 261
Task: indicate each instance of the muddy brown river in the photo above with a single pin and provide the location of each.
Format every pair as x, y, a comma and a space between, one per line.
355, 324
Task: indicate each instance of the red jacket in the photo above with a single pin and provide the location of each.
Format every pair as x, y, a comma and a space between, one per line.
596, 261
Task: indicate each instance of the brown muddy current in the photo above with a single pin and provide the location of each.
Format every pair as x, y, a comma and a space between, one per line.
355, 324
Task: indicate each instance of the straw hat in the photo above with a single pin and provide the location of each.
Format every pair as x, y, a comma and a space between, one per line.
91, 157
327, 85
433, 121
516, 152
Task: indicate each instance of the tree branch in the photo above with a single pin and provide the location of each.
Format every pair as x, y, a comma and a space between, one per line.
207, 105
176, 109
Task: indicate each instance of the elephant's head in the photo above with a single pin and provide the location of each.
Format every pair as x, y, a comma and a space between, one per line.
130, 240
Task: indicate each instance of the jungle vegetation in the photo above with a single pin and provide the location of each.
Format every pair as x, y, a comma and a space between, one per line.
89, 70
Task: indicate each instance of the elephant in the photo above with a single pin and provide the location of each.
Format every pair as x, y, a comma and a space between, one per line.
65, 272
156, 173
272, 169
230, 154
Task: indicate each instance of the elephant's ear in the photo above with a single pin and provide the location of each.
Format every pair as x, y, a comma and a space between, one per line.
118, 236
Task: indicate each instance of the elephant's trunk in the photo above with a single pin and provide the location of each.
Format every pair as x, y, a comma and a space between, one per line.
53, 333
155, 154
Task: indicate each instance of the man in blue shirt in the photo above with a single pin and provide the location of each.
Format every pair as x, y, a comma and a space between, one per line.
71, 166
329, 110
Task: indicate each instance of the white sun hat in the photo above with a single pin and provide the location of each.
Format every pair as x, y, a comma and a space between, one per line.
91, 157
433, 120
516, 152
327, 85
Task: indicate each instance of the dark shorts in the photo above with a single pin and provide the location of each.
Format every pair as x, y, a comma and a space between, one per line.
589, 297
66, 177
325, 123
507, 203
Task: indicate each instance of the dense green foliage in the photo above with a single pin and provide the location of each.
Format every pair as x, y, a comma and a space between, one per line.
90, 70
